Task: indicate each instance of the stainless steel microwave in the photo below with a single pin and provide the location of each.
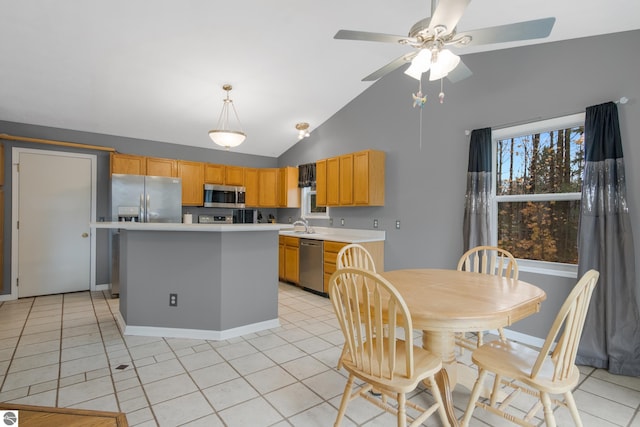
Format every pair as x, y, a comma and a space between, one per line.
223, 196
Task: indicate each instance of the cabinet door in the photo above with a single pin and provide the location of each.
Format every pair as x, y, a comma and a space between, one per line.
162, 167
234, 175
281, 259
346, 179
1, 164
333, 182
251, 187
321, 183
291, 264
213, 174
268, 187
128, 164
192, 174
361, 178
288, 190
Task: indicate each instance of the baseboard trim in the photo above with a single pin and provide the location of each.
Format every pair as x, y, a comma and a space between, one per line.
523, 338
152, 331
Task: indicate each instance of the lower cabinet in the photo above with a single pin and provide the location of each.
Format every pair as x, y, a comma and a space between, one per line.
289, 259
331, 249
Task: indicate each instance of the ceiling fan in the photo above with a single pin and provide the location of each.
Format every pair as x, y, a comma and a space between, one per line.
432, 36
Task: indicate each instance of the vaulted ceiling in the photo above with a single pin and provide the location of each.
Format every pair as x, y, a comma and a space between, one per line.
154, 69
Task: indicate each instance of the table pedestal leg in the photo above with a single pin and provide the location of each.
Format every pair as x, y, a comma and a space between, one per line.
443, 344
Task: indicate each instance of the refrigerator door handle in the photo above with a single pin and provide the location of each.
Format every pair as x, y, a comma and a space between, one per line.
148, 207
142, 208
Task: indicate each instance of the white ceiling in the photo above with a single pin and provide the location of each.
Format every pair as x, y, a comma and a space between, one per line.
154, 69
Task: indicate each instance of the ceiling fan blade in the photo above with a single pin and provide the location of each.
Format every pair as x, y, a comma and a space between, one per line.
398, 62
448, 13
536, 29
461, 72
369, 37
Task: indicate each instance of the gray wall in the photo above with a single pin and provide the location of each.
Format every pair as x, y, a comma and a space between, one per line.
122, 145
425, 187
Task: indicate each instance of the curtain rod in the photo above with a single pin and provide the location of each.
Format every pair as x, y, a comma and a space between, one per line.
623, 100
52, 142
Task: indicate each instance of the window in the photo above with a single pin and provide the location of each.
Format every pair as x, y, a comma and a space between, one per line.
308, 206
536, 203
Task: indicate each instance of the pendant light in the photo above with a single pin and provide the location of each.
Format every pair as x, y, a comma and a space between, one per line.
223, 135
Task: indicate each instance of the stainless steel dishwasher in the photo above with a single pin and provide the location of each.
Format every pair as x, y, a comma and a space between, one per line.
312, 264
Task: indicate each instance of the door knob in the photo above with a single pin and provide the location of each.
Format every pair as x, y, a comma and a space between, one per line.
85, 235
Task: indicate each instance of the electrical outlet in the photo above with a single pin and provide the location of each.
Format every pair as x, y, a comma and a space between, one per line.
342, 221
289, 220
173, 300
375, 223
330, 222
398, 224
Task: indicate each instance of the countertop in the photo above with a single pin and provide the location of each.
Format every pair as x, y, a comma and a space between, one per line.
163, 226
346, 235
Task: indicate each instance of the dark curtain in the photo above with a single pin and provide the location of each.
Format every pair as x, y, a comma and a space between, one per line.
307, 175
477, 219
611, 337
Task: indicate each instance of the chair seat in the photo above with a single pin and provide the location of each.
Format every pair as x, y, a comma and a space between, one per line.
425, 365
516, 362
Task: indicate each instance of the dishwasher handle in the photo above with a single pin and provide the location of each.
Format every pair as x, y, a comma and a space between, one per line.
310, 242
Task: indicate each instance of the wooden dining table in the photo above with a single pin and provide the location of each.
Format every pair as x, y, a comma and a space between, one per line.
443, 302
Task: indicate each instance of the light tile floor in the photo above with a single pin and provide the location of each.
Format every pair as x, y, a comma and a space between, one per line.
67, 351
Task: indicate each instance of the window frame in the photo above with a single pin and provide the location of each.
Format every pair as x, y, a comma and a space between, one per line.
305, 205
529, 265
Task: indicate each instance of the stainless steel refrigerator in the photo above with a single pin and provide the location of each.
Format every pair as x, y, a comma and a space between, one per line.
146, 198
142, 199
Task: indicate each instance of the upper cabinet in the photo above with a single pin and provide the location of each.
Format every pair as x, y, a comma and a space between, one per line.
192, 174
268, 187
288, 190
128, 164
156, 166
213, 174
252, 188
234, 175
355, 179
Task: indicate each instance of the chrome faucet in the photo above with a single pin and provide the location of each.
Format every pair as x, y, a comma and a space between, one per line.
305, 224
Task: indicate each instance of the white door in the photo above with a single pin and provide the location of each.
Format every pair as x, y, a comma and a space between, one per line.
53, 207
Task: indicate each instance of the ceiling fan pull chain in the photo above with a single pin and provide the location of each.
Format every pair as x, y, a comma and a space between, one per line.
418, 101
441, 94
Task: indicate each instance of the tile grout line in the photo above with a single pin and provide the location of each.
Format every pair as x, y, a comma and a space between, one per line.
133, 366
13, 354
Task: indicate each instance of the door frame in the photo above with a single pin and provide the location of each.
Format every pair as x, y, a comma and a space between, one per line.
15, 185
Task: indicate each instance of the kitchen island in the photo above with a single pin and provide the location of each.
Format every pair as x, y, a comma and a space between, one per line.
224, 277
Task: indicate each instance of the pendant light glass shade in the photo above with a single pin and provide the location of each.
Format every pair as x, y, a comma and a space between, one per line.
446, 62
420, 64
223, 135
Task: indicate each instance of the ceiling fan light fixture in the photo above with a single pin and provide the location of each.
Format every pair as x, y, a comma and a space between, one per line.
446, 61
223, 135
303, 130
420, 64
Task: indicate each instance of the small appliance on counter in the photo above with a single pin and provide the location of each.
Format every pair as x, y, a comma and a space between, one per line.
215, 219
245, 216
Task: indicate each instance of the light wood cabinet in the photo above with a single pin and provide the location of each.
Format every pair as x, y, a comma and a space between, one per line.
128, 164
1, 167
333, 181
321, 183
156, 166
213, 174
331, 249
268, 187
355, 179
252, 187
346, 180
289, 259
288, 190
368, 178
234, 175
192, 174
281, 258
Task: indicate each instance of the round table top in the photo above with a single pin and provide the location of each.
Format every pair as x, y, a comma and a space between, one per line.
459, 301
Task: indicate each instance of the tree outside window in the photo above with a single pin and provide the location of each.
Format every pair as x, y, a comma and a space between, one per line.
537, 191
